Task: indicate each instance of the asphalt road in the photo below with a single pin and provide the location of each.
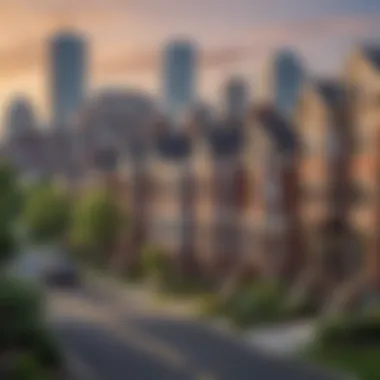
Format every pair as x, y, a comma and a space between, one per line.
111, 341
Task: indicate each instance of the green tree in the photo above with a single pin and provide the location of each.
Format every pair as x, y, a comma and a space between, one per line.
10, 195
46, 213
7, 245
10, 205
97, 223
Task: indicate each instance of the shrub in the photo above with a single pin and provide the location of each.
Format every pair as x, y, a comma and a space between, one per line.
22, 323
255, 303
361, 329
156, 264
40, 342
249, 304
20, 309
26, 367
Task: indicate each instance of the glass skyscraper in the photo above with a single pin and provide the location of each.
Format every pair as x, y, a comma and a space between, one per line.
68, 70
236, 97
180, 66
288, 76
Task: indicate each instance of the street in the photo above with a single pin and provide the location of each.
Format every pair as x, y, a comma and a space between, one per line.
113, 340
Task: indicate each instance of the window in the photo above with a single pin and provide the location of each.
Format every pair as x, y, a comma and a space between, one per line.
362, 143
312, 192
332, 143
311, 143
361, 193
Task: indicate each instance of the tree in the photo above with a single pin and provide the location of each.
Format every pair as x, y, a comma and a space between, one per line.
10, 205
97, 223
46, 213
7, 245
10, 195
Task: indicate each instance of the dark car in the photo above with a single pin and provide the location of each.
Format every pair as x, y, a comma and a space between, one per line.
62, 273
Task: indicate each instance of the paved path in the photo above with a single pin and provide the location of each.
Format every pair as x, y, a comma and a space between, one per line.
114, 343
284, 339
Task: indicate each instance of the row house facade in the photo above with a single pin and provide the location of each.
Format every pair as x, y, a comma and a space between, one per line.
362, 77
287, 196
221, 195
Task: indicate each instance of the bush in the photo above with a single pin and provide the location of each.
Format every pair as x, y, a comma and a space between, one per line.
22, 323
41, 343
248, 304
26, 367
156, 264
7, 245
20, 309
362, 329
256, 303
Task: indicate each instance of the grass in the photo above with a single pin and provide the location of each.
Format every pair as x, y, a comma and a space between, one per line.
361, 361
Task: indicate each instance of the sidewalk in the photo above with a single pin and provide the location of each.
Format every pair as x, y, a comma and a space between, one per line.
284, 339
140, 297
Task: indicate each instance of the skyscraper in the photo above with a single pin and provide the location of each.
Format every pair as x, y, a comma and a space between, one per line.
287, 76
235, 97
180, 65
67, 76
20, 117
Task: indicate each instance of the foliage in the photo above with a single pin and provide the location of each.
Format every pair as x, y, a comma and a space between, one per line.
7, 245
159, 266
20, 309
26, 367
97, 223
363, 362
10, 195
155, 262
46, 213
354, 329
22, 323
249, 304
349, 343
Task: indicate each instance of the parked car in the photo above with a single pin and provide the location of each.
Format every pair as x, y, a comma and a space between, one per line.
62, 272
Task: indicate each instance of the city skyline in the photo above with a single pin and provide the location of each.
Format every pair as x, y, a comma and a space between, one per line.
126, 44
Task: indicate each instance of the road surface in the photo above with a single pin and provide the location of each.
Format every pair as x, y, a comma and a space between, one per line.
112, 340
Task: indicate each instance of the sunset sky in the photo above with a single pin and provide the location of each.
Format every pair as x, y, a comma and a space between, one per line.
127, 36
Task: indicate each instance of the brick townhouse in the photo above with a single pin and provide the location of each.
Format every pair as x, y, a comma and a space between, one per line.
273, 147
324, 186
362, 79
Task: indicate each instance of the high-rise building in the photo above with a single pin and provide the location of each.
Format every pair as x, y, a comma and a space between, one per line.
286, 76
180, 66
235, 97
68, 61
19, 118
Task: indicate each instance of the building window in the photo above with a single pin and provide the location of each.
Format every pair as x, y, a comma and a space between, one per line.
332, 143
311, 146
312, 192
361, 143
361, 194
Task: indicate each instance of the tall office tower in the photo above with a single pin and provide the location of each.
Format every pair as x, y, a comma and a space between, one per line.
180, 71
19, 117
236, 97
68, 70
286, 76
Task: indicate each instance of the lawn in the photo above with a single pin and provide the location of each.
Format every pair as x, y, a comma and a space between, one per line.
364, 362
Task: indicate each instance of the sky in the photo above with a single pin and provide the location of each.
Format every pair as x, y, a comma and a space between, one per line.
126, 38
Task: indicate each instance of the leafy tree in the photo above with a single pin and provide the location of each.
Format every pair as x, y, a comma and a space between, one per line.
46, 213
97, 223
22, 326
10, 206
7, 245
10, 195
